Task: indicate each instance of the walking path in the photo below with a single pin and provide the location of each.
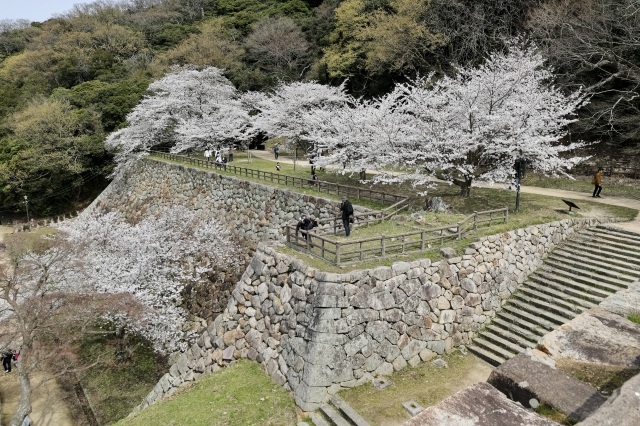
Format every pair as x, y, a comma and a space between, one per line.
633, 226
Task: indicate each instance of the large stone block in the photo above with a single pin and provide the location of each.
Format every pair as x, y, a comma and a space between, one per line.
478, 405
522, 378
622, 408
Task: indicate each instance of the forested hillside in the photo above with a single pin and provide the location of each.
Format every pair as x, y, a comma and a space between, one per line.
66, 83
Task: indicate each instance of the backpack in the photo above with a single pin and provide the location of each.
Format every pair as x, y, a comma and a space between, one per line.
348, 208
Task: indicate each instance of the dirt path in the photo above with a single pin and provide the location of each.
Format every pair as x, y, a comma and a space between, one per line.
48, 407
633, 226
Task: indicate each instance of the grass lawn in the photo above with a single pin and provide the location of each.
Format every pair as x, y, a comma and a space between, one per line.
426, 384
239, 395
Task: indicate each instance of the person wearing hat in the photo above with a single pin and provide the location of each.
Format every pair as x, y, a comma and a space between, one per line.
597, 182
346, 208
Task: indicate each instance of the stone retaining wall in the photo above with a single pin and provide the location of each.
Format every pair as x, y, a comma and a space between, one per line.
316, 333
252, 211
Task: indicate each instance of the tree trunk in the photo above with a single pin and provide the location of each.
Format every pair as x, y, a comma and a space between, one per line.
465, 185
24, 409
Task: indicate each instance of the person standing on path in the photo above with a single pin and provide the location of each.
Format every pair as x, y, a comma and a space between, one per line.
597, 182
7, 357
276, 151
347, 213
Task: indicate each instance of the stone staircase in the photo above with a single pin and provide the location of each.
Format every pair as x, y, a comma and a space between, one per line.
337, 413
578, 275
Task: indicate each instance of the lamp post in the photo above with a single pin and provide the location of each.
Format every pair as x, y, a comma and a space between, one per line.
26, 205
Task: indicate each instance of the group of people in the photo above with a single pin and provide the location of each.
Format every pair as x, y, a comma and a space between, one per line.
221, 157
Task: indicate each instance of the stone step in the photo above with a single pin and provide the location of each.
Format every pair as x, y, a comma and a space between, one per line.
602, 254
529, 326
513, 336
578, 289
612, 239
333, 416
487, 345
541, 316
567, 273
540, 323
606, 275
486, 355
549, 289
541, 301
318, 420
515, 329
499, 340
591, 243
588, 258
631, 237
348, 411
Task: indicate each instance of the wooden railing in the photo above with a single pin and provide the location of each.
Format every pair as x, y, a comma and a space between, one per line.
339, 252
352, 192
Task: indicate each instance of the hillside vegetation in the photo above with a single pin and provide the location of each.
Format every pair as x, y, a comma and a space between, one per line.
68, 82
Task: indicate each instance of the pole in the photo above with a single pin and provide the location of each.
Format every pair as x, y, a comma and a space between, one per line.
26, 205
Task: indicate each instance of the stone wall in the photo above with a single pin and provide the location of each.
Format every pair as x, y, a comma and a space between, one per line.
252, 211
316, 333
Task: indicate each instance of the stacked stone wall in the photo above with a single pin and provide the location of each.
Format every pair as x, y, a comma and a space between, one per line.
316, 333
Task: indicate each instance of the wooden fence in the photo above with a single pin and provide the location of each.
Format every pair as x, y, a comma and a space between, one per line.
339, 252
352, 192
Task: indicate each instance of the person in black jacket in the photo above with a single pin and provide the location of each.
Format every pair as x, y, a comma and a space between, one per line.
306, 224
347, 215
7, 357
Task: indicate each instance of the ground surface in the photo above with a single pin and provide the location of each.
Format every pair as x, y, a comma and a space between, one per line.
426, 384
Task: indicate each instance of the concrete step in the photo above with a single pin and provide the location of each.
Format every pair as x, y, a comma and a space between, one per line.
611, 232
333, 417
540, 315
590, 242
512, 336
486, 355
490, 346
351, 414
578, 289
600, 253
583, 257
530, 327
574, 278
556, 293
555, 306
610, 237
499, 340
515, 330
606, 275
318, 420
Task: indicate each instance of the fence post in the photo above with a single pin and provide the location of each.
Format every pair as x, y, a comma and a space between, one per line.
288, 234
422, 240
475, 220
506, 214
337, 254
459, 231
383, 248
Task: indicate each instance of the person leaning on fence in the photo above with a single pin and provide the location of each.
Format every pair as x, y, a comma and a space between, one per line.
306, 224
346, 209
597, 182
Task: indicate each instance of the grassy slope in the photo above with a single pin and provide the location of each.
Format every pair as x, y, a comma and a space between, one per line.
240, 395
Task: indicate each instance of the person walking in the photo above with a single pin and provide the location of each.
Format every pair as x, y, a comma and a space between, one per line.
597, 182
7, 357
346, 208
276, 151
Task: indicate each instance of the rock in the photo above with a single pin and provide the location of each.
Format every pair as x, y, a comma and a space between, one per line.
447, 252
621, 409
523, 379
478, 405
596, 337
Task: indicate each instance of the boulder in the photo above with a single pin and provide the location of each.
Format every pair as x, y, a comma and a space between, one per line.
622, 408
522, 379
478, 405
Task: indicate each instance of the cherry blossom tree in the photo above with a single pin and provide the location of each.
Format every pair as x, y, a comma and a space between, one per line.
282, 112
44, 315
186, 109
151, 260
476, 124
